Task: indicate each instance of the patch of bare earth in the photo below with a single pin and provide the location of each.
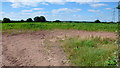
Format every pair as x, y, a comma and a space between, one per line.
41, 48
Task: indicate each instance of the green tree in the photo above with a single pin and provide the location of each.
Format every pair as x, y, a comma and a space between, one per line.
29, 20
118, 7
42, 19
97, 21
6, 20
22, 20
57, 21
37, 19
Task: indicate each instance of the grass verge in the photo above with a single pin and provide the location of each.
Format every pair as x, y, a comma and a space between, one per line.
91, 51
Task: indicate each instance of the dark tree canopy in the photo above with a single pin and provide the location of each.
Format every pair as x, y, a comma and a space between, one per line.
40, 19
118, 7
6, 20
22, 20
57, 21
37, 19
97, 21
29, 20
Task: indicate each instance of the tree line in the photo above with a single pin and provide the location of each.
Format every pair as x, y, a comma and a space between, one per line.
35, 19
43, 19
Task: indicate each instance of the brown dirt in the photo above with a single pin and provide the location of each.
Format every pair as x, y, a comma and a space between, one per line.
41, 48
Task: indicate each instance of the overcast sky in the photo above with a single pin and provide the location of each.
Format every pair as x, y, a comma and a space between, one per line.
65, 10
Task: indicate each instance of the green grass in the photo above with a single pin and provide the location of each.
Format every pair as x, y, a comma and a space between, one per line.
91, 51
49, 26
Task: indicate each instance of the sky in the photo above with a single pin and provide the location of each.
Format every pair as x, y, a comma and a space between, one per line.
64, 10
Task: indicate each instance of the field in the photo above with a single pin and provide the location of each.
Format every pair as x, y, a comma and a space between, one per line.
50, 26
59, 44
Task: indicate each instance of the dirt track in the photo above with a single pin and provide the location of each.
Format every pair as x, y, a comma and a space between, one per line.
41, 48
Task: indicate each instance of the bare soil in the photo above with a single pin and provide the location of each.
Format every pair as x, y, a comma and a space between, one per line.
41, 48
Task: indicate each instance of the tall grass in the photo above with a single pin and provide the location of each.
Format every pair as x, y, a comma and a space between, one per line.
49, 26
90, 52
